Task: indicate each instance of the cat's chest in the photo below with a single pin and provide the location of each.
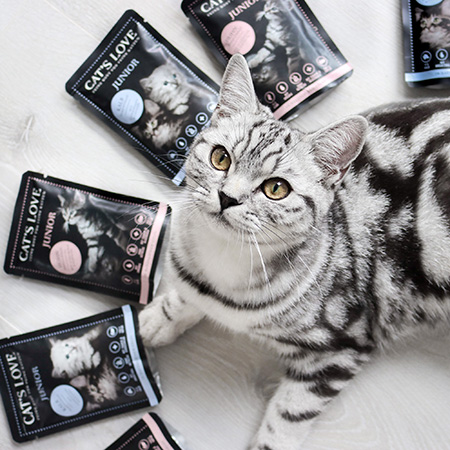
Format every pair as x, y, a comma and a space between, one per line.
226, 266
87, 228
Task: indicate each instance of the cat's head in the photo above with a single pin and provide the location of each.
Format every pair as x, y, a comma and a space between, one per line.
249, 173
428, 20
73, 356
267, 73
165, 82
153, 116
69, 209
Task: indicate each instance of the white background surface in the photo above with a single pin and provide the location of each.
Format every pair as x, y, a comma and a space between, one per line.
215, 384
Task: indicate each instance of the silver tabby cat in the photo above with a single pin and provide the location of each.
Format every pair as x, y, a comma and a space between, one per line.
324, 246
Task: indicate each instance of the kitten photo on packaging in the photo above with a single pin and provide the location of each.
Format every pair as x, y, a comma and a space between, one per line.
324, 246
426, 39
435, 24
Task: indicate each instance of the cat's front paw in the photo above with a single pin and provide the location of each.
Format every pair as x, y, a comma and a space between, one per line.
165, 318
156, 326
181, 109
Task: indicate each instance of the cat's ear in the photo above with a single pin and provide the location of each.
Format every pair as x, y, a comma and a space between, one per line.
93, 334
418, 14
237, 93
79, 200
143, 83
337, 146
62, 200
445, 8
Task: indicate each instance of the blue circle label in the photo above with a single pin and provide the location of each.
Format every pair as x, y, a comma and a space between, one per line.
428, 2
127, 106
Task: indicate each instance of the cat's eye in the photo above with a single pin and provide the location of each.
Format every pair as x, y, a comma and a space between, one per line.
276, 188
220, 159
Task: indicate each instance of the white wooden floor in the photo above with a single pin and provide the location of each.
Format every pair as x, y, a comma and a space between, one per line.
215, 384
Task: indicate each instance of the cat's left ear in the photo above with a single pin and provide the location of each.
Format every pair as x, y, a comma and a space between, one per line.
337, 146
79, 200
237, 93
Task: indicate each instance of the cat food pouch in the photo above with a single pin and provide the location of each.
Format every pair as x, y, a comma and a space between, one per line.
73, 234
149, 433
147, 91
426, 42
67, 375
292, 59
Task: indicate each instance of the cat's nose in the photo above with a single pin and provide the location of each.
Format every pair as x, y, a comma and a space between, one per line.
226, 201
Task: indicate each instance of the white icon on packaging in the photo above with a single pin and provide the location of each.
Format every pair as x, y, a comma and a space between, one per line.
425, 56
442, 54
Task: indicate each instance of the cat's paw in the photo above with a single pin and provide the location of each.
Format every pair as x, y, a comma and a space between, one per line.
181, 109
156, 326
96, 359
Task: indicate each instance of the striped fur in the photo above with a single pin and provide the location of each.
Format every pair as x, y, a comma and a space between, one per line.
355, 256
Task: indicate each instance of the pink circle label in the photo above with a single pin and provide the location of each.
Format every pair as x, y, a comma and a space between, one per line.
65, 257
238, 37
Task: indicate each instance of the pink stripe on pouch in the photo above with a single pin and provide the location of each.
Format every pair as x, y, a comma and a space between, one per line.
312, 89
150, 252
157, 433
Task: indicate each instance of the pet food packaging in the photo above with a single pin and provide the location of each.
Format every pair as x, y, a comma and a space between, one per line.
149, 433
80, 236
147, 91
68, 375
426, 43
292, 59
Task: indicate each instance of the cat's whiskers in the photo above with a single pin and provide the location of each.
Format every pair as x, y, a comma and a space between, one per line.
299, 257
285, 256
263, 265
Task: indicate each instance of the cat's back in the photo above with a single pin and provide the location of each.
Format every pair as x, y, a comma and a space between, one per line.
396, 200
402, 141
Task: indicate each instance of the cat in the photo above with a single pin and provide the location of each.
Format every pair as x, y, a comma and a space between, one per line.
73, 356
283, 31
266, 75
168, 87
95, 227
76, 360
159, 127
435, 25
324, 246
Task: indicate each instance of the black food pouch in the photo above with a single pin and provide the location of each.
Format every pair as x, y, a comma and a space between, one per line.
80, 236
149, 433
67, 375
292, 59
426, 43
147, 91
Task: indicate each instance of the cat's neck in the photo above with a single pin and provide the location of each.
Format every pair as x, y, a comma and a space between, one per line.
230, 260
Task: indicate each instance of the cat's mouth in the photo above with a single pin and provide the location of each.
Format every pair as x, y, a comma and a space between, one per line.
230, 221
219, 218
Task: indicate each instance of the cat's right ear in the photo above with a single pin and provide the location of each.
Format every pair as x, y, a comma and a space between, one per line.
418, 14
79, 200
237, 93
62, 200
